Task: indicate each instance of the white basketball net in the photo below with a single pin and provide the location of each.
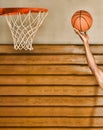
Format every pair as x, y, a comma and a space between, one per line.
24, 28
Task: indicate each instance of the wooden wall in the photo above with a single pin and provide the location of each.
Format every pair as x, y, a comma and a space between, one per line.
50, 88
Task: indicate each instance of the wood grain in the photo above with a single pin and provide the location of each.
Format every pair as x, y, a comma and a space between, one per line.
50, 101
51, 122
45, 69
53, 49
47, 59
47, 80
51, 111
51, 90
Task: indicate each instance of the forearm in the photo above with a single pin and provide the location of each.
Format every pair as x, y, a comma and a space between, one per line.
90, 58
92, 65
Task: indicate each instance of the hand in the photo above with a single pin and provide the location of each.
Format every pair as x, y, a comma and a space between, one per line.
83, 35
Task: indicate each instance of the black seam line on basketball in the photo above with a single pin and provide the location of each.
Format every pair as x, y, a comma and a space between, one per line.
86, 14
80, 21
77, 15
76, 18
83, 13
75, 21
86, 21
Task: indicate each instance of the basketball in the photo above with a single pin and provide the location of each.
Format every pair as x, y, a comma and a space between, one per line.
82, 20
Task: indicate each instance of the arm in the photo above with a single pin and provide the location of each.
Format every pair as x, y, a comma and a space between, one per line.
90, 58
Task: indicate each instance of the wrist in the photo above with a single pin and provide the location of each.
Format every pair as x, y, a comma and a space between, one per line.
85, 42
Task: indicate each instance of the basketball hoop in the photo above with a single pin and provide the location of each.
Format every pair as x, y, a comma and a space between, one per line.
24, 24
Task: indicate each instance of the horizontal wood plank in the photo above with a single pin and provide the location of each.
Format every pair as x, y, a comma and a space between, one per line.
47, 80
51, 122
47, 59
45, 122
53, 49
51, 90
44, 59
45, 69
51, 101
46, 111
51, 111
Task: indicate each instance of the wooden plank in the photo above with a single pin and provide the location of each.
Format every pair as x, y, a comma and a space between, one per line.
47, 59
53, 49
43, 59
45, 69
51, 122
44, 122
50, 101
52, 90
47, 80
51, 111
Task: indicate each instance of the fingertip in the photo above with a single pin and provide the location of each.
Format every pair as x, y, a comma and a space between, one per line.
75, 29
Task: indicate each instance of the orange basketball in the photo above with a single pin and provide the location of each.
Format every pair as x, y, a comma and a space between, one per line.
82, 20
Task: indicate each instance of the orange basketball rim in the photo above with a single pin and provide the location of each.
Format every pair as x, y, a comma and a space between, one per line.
13, 11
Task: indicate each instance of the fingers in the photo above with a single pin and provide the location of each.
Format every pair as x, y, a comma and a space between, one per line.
78, 32
82, 35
